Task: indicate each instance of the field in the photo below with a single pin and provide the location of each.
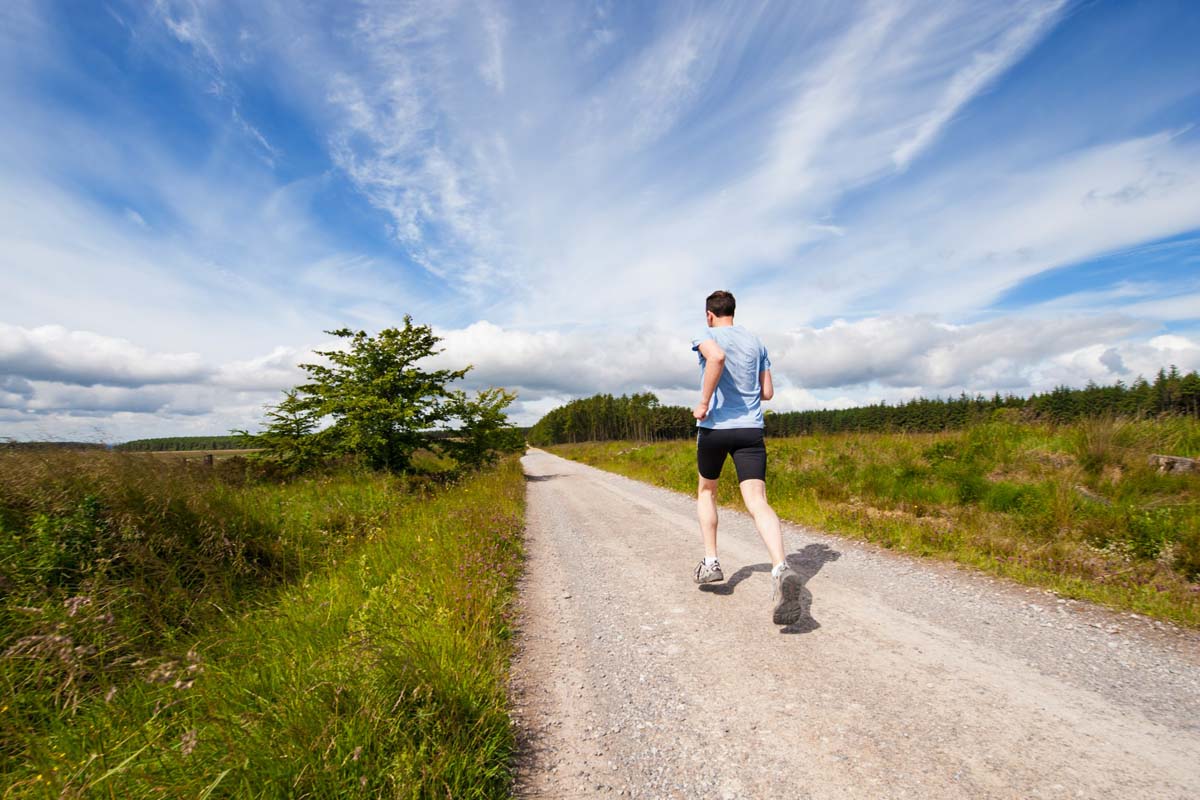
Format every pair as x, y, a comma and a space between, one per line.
170, 631
1075, 509
198, 455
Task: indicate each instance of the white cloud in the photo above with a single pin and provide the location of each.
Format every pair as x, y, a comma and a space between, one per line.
707, 154
958, 256
752, 209
98, 400
983, 68
239, 283
52, 373
844, 363
53, 353
922, 351
186, 22
542, 180
585, 362
276, 371
495, 28
889, 358
1180, 307
135, 218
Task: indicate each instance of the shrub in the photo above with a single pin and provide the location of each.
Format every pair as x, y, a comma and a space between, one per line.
1099, 442
1187, 551
1150, 531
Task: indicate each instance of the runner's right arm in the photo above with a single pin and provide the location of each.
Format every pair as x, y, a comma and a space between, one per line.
768, 388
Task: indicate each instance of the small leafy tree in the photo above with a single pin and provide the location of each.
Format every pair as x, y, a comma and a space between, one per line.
290, 436
483, 430
383, 405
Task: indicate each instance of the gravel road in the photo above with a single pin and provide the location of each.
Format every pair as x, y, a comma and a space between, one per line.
904, 678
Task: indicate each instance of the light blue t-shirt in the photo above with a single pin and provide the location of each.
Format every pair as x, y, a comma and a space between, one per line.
737, 401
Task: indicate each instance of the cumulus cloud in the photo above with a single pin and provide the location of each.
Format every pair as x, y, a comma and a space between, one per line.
885, 358
53, 353
98, 400
843, 363
924, 351
14, 391
570, 363
51, 373
274, 371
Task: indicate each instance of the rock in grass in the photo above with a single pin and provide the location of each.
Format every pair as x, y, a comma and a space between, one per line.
1174, 463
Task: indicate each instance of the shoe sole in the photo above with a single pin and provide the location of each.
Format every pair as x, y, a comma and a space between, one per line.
790, 606
713, 579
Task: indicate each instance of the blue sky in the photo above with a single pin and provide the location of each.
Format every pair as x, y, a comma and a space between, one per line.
906, 197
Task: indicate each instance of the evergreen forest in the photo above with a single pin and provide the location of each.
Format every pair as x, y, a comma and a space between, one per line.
642, 417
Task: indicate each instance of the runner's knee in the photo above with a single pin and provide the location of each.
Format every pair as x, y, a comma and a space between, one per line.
754, 492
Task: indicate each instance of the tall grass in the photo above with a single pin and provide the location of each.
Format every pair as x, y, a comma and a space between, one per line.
337, 636
1077, 509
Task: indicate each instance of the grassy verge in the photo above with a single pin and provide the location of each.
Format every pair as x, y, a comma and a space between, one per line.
368, 659
1074, 509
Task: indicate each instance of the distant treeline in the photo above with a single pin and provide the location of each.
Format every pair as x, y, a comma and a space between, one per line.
56, 445
172, 443
451, 434
641, 417
593, 419
184, 443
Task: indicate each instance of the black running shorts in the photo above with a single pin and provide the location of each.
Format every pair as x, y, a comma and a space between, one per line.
744, 444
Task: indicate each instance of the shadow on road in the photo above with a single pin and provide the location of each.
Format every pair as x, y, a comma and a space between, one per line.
539, 478
806, 563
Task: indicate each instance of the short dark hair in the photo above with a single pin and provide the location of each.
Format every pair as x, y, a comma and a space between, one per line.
720, 303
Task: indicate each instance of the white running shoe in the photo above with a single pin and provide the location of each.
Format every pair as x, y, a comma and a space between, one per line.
786, 596
709, 573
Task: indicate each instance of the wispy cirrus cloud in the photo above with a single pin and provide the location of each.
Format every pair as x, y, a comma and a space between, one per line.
1021, 222
582, 178
986, 65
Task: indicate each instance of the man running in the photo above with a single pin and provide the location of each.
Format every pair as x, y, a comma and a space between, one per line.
736, 378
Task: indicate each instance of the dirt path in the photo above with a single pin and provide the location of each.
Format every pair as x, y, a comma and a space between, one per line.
905, 679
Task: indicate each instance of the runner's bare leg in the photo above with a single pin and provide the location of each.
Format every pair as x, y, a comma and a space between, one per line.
754, 493
706, 507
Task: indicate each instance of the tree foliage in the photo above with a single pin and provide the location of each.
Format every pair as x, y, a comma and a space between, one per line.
290, 436
377, 400
482, 431
640, 416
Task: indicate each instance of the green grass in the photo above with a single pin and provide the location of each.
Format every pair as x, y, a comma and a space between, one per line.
1073, 509
369, 658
